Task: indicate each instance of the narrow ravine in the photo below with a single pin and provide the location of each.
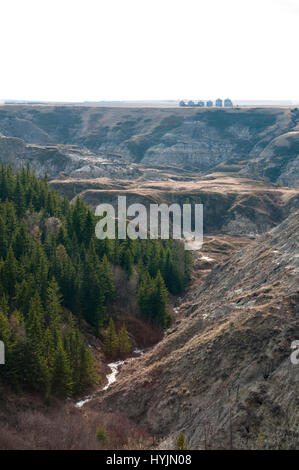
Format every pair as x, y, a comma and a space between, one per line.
111, 378
114, 367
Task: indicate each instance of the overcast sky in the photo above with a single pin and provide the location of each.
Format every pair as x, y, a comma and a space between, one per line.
74, 50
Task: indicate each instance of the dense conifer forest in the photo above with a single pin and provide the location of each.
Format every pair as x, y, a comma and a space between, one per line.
55, 276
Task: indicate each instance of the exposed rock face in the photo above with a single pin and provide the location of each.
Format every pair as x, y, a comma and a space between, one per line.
238, 206
223, 374
193, 144
279, 161
196, 139
63, 160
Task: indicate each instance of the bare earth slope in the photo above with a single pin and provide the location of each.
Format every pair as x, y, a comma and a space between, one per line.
223, 374
191, 138
234, 205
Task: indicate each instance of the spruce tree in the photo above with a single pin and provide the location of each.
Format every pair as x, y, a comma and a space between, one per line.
3, 237
107, 279
172, 275
10, 272
88, 229
19, 198
159, 301
21, 241
92, 295
24, 291
111, 340
35, 329
62, 376
181, 443
50, 343
53, 304
124, 343
36, 325
87, 375
5, 330
42, 275
4, 305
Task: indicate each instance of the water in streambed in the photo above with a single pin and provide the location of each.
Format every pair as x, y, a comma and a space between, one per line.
114, 366
114, 371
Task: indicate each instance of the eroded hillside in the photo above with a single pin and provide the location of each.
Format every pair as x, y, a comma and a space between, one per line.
80, 141
223, 374
235, 205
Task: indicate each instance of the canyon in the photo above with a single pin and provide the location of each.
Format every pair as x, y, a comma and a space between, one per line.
222, 373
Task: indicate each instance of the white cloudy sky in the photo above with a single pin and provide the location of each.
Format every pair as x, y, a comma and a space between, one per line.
149, 49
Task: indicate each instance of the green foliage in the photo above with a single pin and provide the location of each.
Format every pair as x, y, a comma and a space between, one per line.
43, 352
181, 443
111, 340
124, 343
152, 299
117, 344
62, 375
102, 434
127, 257
54, 273
260, 441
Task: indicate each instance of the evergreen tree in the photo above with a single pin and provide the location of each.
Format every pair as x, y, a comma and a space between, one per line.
144, 293
102, 435
35, 325
7, 338
88, 229
152, 299
44, 274
35, 329
53, 304
92, 295
172, 275
127, 261
50, 343
111, 340
10, 272
62, 376
4, 306
87, 375
5, 330
40, 269
21, 241
24, 291
159, 301
181, 443
19, 198
124, 343
3, 237
107, 279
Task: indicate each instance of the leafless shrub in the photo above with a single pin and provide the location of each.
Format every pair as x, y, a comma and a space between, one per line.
33, 221
51, 225
68, 428
125, 289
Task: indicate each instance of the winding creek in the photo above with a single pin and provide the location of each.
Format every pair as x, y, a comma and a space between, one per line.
114, 368
111, 378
